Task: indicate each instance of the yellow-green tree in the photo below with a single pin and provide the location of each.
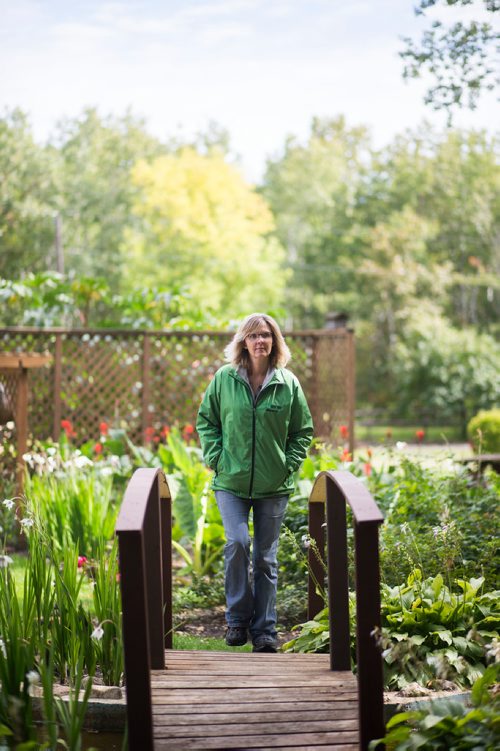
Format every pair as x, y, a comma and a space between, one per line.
200, 225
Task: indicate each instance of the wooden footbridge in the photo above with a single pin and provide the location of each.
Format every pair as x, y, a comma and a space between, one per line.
187, 700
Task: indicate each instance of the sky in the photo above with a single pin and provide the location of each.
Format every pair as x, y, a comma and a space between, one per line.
262, 69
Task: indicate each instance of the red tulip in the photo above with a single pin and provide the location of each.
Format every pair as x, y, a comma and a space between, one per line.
67, 426
149, 433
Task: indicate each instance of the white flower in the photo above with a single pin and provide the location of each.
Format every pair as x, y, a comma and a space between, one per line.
33, 677
26, 523
2, 648
51, 451
5, 560
306, 542
493, 650
400, 445
82, 461
98, 633
9, 503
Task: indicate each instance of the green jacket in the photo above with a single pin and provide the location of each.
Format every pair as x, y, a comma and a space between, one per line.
254, 447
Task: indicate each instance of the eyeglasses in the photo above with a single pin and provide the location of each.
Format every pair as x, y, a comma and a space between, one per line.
260, 335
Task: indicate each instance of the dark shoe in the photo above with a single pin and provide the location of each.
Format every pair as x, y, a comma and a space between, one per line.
265, 643
236, 636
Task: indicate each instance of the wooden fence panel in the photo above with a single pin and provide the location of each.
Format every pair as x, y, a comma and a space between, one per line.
139, 379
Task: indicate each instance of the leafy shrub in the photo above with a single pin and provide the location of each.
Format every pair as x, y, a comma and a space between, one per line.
450, 724
430, 634
484, 431
436, 519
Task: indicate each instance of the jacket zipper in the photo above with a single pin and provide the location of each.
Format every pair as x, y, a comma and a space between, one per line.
254, 409
254, 419
253, 451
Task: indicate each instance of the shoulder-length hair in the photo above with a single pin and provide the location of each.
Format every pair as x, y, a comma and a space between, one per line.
236, 352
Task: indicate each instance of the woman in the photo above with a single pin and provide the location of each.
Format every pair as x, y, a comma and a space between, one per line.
255, 428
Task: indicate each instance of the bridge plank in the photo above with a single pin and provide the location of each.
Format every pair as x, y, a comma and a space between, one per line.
247, 742
251, 716
255, 708
209, 700
265, 728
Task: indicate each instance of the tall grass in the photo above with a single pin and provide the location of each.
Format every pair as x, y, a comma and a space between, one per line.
75, 508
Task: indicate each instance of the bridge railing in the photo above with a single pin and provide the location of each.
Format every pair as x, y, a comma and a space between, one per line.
331, 492
144, 529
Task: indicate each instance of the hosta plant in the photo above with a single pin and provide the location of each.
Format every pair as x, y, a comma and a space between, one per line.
450, 724
430, 634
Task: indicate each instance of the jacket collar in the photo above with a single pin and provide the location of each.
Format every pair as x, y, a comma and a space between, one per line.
277, 377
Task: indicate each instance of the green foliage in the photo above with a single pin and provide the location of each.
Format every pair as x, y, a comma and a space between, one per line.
436, 519
459, 57
17, 660
449, 724
72, 713
27, 206
444, 370
72, 499
108, 648
200, 225
430, 634
53, 299
198, 532
483, 431
314, 635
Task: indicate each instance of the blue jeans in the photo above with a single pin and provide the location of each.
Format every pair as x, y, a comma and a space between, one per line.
252, 607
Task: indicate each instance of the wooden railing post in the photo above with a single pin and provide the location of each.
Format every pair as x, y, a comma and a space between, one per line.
315, 602
166, 543
144, 536
335, 489
154, 574
338, 580
369, 661
136, 641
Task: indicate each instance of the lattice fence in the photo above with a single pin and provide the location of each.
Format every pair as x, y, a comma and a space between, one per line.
140, 379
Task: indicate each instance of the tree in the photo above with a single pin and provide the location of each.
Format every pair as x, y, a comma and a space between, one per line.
459, 57
27, 205
95, 189
312, 190
199, 225
445, 372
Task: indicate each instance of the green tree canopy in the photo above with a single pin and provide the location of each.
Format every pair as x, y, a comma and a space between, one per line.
460, 56
199, 223
27, 198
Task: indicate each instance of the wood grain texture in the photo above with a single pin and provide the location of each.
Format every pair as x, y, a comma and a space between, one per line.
220, 700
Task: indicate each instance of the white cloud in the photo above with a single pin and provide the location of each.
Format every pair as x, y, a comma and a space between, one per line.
262, 69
